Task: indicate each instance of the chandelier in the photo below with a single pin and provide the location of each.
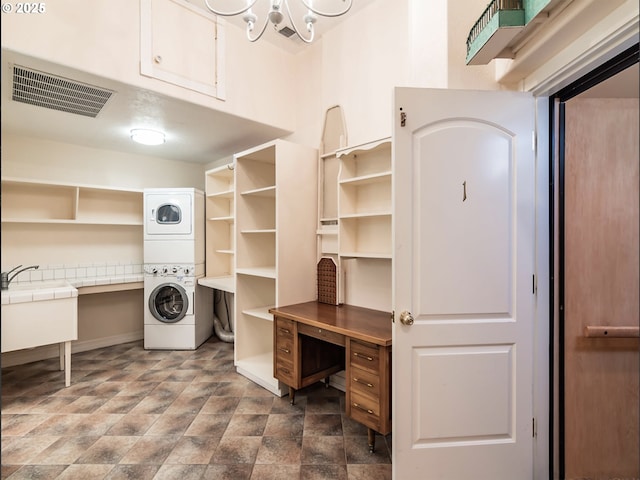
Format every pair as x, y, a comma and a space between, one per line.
274, 11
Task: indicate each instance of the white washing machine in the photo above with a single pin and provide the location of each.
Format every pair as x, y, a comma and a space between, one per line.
173, 226
178, 312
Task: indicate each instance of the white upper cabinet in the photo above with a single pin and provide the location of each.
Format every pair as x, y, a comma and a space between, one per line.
182, 45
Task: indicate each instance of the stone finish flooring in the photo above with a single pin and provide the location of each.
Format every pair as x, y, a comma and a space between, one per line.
136, 414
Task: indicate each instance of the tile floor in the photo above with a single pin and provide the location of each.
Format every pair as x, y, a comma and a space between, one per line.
136, 414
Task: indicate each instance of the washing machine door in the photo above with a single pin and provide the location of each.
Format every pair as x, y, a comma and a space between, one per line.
169, 302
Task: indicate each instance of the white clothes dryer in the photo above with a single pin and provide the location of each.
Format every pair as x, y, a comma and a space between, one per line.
173, 225
178, 312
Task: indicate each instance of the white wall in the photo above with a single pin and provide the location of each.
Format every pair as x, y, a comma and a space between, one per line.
35, 158
387, 44
362, 59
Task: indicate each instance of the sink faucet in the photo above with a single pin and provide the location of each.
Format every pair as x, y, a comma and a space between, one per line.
5, 279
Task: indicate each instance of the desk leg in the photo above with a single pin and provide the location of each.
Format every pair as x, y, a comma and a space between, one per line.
371, 437
292, 394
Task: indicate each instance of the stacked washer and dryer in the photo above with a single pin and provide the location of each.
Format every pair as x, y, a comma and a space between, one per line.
178, 312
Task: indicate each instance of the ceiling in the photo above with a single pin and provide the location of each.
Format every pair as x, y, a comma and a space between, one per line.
194, 133
625, 84
292, 44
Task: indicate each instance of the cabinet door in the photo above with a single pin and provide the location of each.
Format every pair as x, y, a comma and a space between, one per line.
181, 44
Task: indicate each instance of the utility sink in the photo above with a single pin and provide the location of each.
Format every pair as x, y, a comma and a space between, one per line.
40, 313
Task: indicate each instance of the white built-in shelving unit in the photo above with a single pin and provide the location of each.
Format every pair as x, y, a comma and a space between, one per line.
365, 224
220, 228
27, 201
60, 223
275, 258
365, 200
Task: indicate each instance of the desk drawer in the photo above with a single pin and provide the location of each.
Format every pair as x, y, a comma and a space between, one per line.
284, 328
321, 334
284, 372
365, 410
364, 382
365, 355
284, 349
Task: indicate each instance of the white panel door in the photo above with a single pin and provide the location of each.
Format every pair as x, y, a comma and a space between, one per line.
463, 268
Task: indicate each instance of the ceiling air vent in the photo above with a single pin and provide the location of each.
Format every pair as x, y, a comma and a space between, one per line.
57, 93
286, 31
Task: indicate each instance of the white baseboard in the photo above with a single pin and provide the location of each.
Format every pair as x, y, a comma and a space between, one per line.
20, 357
275, 389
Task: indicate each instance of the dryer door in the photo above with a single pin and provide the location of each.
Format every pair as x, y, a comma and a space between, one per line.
169, 303
168, 213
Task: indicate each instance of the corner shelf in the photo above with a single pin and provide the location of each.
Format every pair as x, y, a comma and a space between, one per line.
219, 234
262, 313
226, 284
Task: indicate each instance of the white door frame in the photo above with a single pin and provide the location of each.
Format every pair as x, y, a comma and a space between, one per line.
545, 81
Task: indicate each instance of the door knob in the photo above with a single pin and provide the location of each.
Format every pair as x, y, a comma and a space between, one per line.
406, 318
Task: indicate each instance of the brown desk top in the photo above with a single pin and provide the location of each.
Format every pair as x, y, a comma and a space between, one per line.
364, 324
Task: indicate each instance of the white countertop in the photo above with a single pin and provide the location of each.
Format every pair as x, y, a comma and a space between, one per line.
226, 284
54, 289
38, 291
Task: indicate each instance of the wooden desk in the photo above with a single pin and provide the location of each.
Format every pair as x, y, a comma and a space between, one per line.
314, 340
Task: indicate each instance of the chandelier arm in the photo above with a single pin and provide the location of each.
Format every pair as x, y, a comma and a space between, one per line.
308, 5
230, 14
262, 30
295, 27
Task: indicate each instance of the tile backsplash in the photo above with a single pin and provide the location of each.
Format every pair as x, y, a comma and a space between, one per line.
83, 275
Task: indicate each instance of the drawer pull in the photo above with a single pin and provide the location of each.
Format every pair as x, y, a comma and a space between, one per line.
360, 407
285, 370
285, 330
285, 350
360, 355
357, 380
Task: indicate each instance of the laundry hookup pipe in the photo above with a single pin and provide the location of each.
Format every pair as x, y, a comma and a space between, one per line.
223, 316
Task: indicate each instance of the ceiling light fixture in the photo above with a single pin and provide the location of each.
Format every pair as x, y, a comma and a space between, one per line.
306, 9
147, 137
